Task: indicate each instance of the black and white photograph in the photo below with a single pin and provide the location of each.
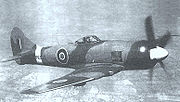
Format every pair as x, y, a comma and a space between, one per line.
89, 51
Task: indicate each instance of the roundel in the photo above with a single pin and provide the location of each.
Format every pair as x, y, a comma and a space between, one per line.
62, 56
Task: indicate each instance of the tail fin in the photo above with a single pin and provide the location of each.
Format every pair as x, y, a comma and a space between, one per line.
22, 48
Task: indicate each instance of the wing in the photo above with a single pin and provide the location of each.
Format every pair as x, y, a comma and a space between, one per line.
79, 76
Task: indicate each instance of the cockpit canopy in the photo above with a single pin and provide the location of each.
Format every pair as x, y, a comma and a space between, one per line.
88, 39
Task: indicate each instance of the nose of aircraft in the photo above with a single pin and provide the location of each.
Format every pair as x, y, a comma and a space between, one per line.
158, 53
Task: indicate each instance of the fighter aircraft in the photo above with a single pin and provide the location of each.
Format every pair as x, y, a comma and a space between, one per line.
91, 57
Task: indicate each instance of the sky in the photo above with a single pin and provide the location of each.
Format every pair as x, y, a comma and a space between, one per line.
65, 21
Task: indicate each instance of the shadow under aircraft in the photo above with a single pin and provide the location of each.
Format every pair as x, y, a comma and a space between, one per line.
91, 57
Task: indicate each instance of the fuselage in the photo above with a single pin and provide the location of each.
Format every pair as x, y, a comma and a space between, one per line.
108, 51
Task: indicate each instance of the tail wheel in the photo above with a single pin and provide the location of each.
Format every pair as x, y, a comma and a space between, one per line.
62, 56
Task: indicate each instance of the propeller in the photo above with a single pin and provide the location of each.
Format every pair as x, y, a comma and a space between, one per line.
157, 51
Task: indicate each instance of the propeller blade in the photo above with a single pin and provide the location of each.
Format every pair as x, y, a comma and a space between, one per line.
162, 64
151, 74
149, 29
164, 68
164, 40
169, 76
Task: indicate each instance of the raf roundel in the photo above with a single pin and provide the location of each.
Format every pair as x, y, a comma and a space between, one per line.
62, 56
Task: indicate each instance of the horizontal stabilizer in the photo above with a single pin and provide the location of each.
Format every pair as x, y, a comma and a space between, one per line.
18, 56
11, 58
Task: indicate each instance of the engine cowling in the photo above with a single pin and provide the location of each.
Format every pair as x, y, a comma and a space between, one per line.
139, 56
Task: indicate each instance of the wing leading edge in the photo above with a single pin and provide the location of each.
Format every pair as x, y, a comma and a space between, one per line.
78, 76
